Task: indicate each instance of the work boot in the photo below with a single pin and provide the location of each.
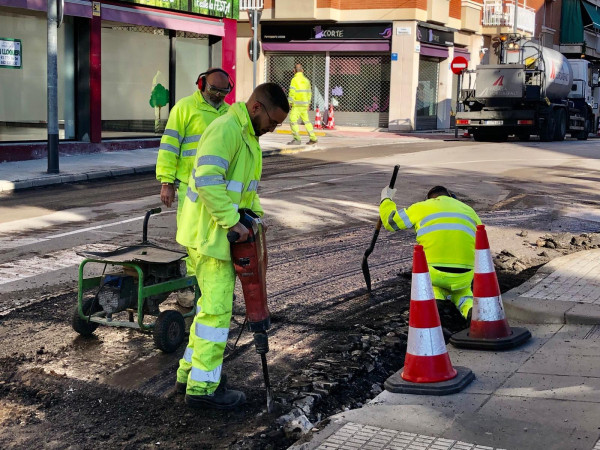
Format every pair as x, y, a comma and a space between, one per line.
294, 142
186, 298
220, 399
181, 387
469, 318
311, 142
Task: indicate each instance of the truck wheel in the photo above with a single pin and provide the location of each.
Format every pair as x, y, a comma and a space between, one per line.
547, 129
169, 331
560, 129
478, 136
83, 327
524, 137
583, 135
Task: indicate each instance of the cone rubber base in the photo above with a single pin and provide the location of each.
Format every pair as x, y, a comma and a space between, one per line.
396, 384
516, 338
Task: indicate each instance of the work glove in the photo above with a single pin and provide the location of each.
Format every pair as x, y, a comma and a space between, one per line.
387, 192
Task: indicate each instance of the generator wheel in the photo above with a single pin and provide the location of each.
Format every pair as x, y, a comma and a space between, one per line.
169, 331
83, 327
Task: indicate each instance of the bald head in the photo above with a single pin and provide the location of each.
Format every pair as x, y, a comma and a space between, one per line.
217, 79
298, 68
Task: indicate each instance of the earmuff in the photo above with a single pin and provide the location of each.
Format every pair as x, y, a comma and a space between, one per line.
201, 81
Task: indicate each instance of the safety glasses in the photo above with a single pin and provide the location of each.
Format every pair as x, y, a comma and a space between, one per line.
274, 123
216, 91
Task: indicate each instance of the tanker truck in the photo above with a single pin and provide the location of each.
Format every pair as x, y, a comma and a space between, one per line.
533, 91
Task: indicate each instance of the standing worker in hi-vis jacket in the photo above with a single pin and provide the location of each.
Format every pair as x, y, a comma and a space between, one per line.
187, 121
299, 97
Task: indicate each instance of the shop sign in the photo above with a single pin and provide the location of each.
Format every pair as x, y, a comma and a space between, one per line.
434, 36
214, 8
287, 33
11, 53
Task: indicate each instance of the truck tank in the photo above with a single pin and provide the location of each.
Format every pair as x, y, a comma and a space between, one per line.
558, 74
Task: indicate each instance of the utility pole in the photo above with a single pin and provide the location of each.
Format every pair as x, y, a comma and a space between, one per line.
516, 15
254, 9
55, 17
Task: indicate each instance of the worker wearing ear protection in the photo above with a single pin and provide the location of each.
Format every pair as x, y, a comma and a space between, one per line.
445, 227
187, 121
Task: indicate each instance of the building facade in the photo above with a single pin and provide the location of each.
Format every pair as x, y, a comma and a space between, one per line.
386, 63
113, 57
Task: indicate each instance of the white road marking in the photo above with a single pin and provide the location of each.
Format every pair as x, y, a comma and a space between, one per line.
35, 266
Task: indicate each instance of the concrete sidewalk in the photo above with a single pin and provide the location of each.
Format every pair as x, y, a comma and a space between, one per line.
33, 173
543, 395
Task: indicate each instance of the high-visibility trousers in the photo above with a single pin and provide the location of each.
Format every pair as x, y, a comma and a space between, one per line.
455, 287
202, 361
181, 194
296, 114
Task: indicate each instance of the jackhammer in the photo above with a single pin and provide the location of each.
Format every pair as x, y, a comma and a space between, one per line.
250, 262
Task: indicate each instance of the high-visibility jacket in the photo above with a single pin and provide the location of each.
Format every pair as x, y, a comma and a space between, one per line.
445, 228
187, 121
300, 92
225, 177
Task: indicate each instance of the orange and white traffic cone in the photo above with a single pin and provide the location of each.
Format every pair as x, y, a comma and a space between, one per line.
318, 120
330, 119
427, 368
489, 328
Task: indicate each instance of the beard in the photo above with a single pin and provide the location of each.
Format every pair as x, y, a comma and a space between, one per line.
255, 125
215, 104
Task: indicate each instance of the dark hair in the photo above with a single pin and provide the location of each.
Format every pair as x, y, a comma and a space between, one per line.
273, 96
438, 190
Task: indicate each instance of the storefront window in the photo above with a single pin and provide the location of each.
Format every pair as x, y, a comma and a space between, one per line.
192, 58
23, 90
135, 68
427, 93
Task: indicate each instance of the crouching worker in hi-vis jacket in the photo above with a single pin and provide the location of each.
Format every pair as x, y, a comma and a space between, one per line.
445, 227
225, 177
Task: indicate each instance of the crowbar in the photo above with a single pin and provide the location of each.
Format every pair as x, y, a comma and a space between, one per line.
365, 264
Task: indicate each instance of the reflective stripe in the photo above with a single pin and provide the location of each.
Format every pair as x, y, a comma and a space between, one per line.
210, 376
192, 138
173, 133
197, 309
488, 309
483, 261
168, 148
188, 153
212, 160
193, 196
253, 186
446, 227
218, 335
420, 288
236, 206
188, 354
462, 300
296, 102
209, 180
303, 90
405, 219
392, 223
426, 341
446, 215
235, 186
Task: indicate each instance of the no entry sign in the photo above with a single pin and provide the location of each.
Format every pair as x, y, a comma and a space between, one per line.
459, 65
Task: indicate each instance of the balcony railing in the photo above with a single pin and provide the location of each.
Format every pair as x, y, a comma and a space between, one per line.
251, 5
502, 13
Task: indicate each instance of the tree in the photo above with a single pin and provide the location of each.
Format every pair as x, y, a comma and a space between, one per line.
158, 99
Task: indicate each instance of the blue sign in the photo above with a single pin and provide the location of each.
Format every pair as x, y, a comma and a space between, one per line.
394, 56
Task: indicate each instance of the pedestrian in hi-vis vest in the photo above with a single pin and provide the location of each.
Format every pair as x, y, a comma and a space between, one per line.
187, 121
224, 178
445, 228
299, 97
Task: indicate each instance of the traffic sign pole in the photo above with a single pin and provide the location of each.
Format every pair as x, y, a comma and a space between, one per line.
458, 66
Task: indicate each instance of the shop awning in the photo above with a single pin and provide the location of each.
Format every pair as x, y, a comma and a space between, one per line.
594, 14
571, 22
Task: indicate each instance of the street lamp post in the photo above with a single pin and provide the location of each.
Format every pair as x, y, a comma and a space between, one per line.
254, 9
55, 17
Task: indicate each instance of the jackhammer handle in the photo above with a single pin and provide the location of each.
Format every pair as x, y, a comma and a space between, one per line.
233, 236
146, 218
